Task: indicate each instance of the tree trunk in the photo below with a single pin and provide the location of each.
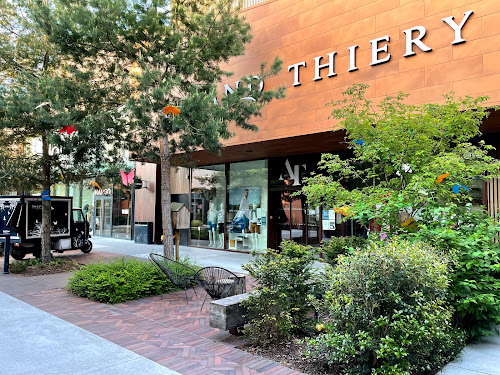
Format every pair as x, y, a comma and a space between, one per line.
166, 201
46, 205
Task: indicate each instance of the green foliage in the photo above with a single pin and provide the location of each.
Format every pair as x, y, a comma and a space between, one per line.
41, 91
386, 312
472, 237
279, 304
20, 266
399, 151
160, 53
119, 281
340, 246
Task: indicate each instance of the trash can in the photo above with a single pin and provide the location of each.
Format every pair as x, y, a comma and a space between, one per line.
143, 232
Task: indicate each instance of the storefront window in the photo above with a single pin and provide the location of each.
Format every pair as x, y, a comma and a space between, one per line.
122, 210
247, 213
208, 197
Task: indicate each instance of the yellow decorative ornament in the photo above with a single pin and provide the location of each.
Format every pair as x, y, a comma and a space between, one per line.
344, 210
320, 327
408, 221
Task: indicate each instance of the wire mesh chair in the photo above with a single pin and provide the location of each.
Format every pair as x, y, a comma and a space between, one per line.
179, 274
216, 281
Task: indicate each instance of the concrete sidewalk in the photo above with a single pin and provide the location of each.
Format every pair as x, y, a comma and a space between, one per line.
204, 257
35, 342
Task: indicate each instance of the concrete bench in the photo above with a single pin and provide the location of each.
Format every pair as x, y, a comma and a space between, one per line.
227, 313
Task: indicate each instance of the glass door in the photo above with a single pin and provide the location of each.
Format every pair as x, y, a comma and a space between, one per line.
102, 216
291, 218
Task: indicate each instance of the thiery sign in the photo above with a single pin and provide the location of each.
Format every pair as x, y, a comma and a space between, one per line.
380, 49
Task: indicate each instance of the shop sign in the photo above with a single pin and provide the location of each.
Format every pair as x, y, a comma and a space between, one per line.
380, 49
292, 174
107, 191
229, 90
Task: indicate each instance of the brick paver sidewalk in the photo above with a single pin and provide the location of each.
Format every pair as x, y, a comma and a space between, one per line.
167, 331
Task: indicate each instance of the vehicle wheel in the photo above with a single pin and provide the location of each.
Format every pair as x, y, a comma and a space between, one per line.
17, 254
87, 247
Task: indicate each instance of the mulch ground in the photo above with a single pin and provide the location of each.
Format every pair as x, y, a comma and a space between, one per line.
288, 354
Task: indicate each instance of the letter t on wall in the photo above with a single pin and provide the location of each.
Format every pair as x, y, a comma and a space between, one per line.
296, 67
458, 28
330, 65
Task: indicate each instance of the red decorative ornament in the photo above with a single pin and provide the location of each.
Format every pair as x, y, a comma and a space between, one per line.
68, 129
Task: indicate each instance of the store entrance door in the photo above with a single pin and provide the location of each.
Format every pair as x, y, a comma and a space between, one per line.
102, 216
291, 218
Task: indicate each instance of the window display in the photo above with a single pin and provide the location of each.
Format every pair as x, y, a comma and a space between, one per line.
208, 196
246, 226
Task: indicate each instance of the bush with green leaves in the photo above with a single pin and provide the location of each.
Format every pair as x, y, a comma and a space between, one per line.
340, 246
279, 306
386, 312
120, 280
20, 266
472, 237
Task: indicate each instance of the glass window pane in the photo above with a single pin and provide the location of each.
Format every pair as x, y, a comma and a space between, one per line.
77, 216
208, 196
247, 211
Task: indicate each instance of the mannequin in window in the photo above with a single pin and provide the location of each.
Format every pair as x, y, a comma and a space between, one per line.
254, 227
220, 224
245, 210
212, 223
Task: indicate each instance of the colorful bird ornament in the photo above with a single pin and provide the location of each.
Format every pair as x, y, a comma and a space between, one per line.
172, 108
95, 184
69, 129
456, 188
360, 142
441, 178
46, 195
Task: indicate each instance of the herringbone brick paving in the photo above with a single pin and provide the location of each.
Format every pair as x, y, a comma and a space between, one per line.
167, 331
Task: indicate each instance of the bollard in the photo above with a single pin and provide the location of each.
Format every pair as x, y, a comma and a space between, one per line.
6, 255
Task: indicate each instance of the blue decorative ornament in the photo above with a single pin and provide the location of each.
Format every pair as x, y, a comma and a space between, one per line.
360, 142
46, 196
456, 188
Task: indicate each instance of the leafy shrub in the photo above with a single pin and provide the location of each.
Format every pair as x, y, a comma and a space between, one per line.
386, 312
120, 280
340, 246
22, 266
475, 287
279, 305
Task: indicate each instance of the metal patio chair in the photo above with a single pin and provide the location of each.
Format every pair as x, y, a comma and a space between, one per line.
216, 281
179, 274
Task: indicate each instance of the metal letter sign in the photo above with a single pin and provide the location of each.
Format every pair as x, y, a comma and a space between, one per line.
380, 50
293, 174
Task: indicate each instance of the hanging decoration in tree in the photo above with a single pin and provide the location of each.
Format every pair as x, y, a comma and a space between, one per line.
456, 188
69, 129
95, 184
344, 210
171, 108
360, 142
441, 178
46, 195
127, 179
408, 222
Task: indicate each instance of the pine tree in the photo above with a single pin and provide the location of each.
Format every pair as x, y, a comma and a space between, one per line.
166, 58
41, 92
